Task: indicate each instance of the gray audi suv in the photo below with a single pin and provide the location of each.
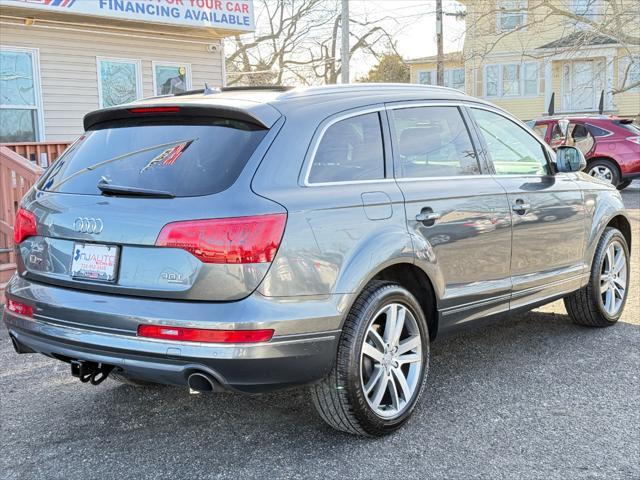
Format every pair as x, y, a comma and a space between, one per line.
251, 239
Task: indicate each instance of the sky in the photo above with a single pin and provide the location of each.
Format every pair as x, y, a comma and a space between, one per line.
412, 24
415, 24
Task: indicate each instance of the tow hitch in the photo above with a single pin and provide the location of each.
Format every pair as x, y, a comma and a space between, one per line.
92, 372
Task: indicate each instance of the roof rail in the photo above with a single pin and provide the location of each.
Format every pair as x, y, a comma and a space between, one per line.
270, 88
351, 87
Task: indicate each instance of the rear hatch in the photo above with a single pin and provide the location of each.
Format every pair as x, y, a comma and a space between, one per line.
153, 205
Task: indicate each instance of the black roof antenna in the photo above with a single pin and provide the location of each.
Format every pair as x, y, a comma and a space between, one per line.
552, 104
601, 104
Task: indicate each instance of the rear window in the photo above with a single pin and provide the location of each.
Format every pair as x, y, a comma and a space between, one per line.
627, 125
191, 158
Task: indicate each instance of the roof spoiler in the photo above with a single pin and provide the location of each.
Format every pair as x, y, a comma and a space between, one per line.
161, 110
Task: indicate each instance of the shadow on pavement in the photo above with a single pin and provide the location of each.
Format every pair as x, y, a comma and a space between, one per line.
532, 388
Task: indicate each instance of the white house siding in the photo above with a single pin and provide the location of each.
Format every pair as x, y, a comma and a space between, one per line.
68, 64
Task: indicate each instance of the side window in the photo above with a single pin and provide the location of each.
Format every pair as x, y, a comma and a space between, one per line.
540, 130
597, 131
432, 142
350, 150
512, 149
556, 134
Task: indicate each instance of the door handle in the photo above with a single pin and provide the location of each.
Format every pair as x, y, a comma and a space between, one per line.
427, 216
520, 207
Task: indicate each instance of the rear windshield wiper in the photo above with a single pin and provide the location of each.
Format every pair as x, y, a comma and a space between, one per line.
108, 189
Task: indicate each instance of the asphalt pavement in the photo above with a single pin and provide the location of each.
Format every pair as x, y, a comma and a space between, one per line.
533, 396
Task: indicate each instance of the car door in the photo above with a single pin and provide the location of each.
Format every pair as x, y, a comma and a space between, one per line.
579, 136
458, 217
556, 138
547, 211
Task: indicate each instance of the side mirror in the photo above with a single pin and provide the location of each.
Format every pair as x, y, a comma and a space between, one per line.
569, 159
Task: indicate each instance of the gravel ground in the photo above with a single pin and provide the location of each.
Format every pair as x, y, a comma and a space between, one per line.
529, 397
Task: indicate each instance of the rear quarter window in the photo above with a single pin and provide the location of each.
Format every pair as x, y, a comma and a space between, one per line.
191, 157
597, 131
350, 150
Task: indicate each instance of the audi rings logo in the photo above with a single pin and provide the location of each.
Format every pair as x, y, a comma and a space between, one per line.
88, 225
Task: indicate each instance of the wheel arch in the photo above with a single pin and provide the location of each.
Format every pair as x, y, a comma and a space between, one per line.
419, 284
621, 223
616, 219
608, 159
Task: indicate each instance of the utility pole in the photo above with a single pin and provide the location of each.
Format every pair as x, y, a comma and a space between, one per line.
439, 41
344, 50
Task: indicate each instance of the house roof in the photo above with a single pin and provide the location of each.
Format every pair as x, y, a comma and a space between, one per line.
451, 56
577, 39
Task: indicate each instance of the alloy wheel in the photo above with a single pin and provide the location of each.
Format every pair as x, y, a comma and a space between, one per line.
613, 278
602, 172
391, 360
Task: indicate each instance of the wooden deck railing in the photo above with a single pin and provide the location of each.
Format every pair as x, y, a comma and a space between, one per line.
41, 153
17, 175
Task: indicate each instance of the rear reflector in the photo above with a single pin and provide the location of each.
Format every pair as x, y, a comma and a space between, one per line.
155, 110
204, 335
20, 308
227, 240
24, 226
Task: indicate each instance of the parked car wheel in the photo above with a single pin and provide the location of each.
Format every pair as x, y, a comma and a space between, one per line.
604, 170
601, 302
381, 365
624, 184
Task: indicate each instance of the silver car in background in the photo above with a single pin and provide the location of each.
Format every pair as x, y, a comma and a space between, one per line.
253, 239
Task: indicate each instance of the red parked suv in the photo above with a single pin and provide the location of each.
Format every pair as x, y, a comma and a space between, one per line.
610, 144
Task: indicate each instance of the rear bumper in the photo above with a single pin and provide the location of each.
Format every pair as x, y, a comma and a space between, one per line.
301, 351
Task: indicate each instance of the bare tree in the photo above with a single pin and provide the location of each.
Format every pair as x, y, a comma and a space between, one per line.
298, 41
615, 22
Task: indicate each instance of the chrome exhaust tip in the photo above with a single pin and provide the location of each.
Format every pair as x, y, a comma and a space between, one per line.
201, 382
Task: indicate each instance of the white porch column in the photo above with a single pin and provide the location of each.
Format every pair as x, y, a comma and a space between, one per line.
608, 90
548, 83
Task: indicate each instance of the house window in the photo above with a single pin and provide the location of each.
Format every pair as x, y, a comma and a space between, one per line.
426, 77
20, 100
492, 84
118, 81
530, 81
632, 71
171, 78
583, 8
512, 14
511, 79
453, 78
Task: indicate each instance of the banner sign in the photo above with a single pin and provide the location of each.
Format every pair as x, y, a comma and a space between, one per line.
223, 14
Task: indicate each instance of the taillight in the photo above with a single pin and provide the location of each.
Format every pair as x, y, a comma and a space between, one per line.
24, 226
204, 335
634, 139
227, 240
19, 308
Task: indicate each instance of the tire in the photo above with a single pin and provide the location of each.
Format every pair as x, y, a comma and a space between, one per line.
340, 398
588, 306
605, 170
134, 382
624, 184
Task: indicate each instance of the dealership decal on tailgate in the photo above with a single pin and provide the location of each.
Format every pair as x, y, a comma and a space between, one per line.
94, 262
